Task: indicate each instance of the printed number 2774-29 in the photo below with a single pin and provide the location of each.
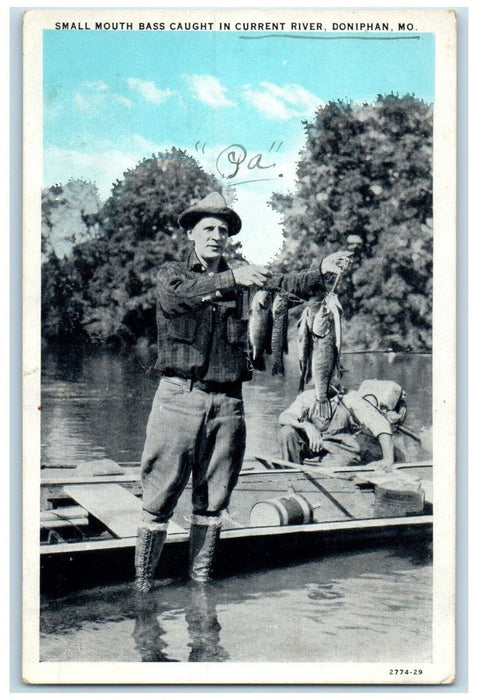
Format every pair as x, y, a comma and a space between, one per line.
406, 672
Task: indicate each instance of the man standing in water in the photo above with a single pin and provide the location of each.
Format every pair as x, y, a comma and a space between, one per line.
197, 422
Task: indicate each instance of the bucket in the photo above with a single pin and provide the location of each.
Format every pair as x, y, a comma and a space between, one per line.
396, 498
287, 510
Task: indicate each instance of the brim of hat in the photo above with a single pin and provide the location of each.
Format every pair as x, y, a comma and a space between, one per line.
190, 218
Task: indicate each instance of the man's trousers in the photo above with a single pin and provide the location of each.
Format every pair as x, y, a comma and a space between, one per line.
191, 431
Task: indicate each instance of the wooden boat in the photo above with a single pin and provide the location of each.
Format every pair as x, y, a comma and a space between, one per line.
279, 513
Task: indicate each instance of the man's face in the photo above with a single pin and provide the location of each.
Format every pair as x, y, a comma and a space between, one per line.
209, 236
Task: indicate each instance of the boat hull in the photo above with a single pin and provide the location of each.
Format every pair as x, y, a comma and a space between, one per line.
342, 501
68, 567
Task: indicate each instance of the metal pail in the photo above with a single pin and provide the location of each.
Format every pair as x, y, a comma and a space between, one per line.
396, 498
287, 510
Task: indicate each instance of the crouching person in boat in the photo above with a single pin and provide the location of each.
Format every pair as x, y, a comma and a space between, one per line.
196, 425
360, 430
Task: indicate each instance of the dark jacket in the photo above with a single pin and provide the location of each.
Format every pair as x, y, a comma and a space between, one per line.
202, 319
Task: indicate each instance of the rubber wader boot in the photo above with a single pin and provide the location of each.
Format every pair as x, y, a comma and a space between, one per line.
203, 539
148, 550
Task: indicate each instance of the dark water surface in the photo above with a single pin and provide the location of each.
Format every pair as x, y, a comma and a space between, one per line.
368, 605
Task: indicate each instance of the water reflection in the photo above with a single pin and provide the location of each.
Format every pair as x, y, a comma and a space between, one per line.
203, 626
148, 635
200, 614
365, 606
362, 606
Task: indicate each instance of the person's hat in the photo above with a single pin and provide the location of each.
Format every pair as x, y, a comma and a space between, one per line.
212, 205
386, 393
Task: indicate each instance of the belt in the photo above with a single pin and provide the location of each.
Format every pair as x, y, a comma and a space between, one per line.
229, 388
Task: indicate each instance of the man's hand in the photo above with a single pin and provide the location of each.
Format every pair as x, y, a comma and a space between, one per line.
314, 437
336, 263
397, 417
251, 275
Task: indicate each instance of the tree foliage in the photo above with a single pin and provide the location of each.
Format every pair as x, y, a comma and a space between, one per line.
105, 290
69, 216
365, 177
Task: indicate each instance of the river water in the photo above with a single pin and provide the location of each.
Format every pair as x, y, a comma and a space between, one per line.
367, 605
96, 404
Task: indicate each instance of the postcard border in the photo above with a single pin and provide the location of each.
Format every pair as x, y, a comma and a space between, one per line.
443, 335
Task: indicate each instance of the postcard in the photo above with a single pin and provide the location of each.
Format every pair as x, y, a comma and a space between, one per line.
239, 346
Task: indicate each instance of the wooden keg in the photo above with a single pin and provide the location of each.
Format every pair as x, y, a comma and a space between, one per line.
287, 510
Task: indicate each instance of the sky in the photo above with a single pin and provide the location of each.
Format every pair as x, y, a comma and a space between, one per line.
236, 101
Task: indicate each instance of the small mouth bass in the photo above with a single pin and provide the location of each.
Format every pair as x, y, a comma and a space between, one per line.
327, 337
260, 328
305, 342
279, 344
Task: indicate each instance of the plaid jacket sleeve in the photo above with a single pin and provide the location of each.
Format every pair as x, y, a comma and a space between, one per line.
304, 284
180, 289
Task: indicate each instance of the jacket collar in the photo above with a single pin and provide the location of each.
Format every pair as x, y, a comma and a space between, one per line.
195, 264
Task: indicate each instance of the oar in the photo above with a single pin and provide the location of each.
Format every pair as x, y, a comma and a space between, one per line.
410, 433
327, 493
327, 471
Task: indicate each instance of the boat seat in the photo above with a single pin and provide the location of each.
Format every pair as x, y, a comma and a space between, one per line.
114, 506
99, 467
63, 517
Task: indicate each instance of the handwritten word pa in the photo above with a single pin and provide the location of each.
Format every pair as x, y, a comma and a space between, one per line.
230, 160
234, 158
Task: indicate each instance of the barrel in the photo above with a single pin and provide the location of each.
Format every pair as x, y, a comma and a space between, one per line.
287, 510
397, 498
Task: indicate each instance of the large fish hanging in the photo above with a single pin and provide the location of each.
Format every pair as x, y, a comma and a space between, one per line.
279, 345
320, 338
305, 341
327, 338
260, 328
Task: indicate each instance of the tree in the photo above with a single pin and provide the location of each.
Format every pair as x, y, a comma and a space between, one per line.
61, 299
69, 216
364, 175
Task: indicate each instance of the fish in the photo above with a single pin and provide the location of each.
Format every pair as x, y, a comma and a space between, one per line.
279, 344
305, 346
327, 338
260, 328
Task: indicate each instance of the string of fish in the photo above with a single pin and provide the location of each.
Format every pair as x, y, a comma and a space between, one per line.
268, 323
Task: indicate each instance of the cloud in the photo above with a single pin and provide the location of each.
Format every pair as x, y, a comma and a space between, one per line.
282, 102
96, 85
103, 165
84, 103
149, 91
93, 96
207, 88
123, 100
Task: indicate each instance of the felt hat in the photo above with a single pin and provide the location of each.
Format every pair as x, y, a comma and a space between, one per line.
212, 205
